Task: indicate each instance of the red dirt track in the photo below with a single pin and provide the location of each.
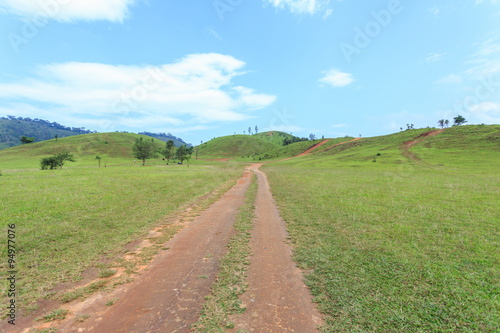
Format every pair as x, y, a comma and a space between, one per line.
169, 294
168, 297
277, 299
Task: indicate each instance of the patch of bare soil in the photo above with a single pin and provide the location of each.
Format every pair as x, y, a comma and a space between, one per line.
408, 144
277, 299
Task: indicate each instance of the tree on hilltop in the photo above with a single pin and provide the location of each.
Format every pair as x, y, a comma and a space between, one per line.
459, 120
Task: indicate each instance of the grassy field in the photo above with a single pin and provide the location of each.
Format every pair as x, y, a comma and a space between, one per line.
67, 219
391, 245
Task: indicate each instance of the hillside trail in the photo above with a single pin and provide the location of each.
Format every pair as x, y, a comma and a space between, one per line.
316, 146
277, 299
405, 147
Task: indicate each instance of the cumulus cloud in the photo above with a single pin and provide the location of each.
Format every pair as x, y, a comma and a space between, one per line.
336, 78
69, 10
196, 90
487, 112
310, 7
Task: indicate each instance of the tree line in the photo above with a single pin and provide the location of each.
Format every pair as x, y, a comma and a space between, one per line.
147, 149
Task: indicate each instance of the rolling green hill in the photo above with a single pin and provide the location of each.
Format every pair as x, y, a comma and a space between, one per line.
12, 129
461, 145
115, 148
250, 148
404, 241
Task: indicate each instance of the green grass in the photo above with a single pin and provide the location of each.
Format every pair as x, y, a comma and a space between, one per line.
393, 246
223, 300
67, 219
55, 315
252, 148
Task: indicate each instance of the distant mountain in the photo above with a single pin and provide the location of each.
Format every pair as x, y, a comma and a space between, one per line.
165, 137
12, 129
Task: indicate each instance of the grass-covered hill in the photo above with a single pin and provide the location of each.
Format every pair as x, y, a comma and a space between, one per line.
456, 145
12, 129
115, 148
398, 234
250, 148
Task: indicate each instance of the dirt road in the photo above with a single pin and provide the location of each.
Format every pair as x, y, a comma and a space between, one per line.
168, 297
277, 299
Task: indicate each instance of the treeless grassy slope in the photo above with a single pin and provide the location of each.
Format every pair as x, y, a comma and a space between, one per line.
395, 246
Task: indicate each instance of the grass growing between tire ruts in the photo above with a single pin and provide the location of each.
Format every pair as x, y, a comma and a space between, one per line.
223, 300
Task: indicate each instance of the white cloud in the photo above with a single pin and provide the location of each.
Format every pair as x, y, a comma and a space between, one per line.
478, 2
310, 7
486, 60
486, 112
435, 56
196, 90
449, 79
69, 10
338, 125
336, 78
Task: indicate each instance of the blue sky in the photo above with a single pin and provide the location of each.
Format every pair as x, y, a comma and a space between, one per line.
202, 69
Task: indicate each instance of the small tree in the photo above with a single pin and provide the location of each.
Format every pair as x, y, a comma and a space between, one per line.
181, 153
441, 123
98, 158
312, 137
459, 120
446, 122
55, 137
189, 153
256, 129
56, 160
249, 131
144, 149
63, 157
168, 151
25, 140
